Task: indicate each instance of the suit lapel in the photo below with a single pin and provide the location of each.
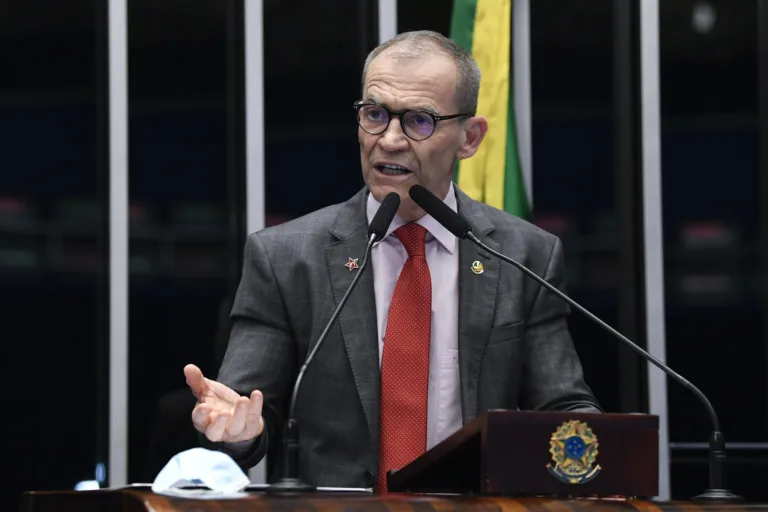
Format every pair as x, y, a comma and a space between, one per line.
358, 318
477, 302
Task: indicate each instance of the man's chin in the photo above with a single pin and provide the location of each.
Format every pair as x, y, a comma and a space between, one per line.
382, 191
410, 211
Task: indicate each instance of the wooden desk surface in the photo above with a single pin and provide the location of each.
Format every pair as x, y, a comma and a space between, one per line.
131, 500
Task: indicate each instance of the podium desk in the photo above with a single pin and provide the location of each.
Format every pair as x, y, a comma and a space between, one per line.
133, 500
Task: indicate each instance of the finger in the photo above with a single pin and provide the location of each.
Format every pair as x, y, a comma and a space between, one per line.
195, 380
223, 392
201, 416
254, 422
215, 431
237, 425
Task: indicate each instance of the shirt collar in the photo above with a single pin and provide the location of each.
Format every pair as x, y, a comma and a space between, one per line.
434, 228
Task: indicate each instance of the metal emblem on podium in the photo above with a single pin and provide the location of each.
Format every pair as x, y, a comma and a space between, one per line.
574, 450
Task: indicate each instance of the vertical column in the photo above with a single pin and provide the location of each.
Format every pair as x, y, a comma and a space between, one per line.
521, 76
254, 114
254, 138
387, 20
628, 197
118, 243
652, 226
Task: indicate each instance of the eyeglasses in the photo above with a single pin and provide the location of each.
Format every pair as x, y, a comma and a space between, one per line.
416, 124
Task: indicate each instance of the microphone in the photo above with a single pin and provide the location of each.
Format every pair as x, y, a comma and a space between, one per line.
290, 482
383, 218
459, 226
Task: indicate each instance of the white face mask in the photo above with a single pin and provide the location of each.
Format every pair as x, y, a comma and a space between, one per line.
201, 467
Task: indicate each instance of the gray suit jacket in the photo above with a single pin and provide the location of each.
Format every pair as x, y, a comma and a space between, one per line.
514, 346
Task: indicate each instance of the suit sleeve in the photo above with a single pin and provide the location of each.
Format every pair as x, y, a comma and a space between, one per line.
553, 378
261, 353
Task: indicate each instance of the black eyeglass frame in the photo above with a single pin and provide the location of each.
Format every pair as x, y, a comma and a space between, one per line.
390, 114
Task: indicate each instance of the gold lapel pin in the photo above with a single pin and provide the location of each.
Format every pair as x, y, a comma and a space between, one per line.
477, 267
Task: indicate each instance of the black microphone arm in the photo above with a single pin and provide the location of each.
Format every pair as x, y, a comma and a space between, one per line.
461, 229
290, 482
685, 382
717, 490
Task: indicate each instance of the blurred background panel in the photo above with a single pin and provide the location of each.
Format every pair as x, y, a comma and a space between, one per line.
714, 274
575, 178
53, 244
186, 211
313, 60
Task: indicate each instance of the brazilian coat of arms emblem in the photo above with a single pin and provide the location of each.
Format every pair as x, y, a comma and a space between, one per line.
574, 450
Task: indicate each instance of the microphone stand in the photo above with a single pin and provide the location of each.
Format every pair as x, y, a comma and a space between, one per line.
290, 482
717, 491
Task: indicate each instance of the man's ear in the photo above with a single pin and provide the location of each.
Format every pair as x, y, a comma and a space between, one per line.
475, 129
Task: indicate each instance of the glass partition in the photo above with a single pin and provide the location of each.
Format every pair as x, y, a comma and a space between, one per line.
186, 230
53, 244
715, 296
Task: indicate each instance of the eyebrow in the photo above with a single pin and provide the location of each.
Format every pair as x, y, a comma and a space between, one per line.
423, 107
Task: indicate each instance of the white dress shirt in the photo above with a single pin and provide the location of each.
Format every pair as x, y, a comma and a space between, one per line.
442, 250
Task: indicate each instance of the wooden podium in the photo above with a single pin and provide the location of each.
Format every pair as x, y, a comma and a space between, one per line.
516, 453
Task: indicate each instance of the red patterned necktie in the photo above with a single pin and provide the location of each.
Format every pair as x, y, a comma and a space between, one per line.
405, 361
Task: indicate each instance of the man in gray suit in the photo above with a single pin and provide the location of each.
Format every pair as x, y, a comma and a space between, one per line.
407, 363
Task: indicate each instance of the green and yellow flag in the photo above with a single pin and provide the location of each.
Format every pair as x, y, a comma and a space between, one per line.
494, 174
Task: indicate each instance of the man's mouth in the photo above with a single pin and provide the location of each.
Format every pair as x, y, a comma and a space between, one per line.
392, 169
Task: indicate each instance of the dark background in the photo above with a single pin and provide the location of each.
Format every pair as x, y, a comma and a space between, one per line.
186, 194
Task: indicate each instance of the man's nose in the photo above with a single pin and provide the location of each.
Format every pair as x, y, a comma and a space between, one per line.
393, 137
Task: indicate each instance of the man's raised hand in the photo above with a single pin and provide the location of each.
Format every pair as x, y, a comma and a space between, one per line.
222, 414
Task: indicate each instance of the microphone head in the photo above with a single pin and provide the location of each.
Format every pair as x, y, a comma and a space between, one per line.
440, 211
384, 215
